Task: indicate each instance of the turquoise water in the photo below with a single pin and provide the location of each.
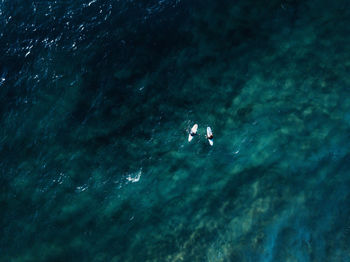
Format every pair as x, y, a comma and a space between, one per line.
96, 101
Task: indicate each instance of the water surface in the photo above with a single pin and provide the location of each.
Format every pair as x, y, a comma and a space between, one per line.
96, 101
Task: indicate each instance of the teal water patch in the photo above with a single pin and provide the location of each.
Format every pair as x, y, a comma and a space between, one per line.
95, 162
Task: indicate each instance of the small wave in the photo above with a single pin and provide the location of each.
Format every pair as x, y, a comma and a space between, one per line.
134, 178
82, 188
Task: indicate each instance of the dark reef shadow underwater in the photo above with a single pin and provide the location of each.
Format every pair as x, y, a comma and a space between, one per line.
96, 98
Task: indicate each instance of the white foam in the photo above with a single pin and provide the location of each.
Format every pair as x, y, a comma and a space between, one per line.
136, 178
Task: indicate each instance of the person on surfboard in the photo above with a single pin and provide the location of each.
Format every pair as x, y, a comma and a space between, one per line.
193, 132
210, 136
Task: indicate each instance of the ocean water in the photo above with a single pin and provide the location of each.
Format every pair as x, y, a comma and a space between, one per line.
96, 101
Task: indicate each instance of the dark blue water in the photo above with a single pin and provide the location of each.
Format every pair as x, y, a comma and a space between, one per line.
96, 99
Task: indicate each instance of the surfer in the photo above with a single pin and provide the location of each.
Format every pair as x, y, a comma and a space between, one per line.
210, 136
193, 132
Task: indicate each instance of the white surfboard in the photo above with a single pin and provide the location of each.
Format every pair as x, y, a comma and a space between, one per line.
193, 132
210, 136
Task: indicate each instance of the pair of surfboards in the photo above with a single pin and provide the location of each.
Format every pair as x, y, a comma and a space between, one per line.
193, 132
